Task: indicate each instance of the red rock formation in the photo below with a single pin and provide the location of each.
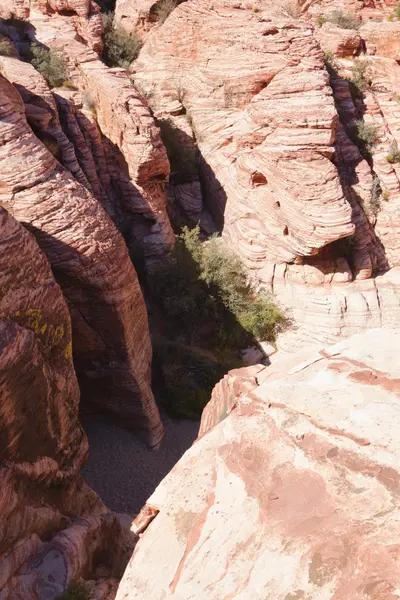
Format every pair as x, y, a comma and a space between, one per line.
293, 493
52, 525
90, 261
264, 117
84, 15
342, 42
127, 142
139, 16
280, 174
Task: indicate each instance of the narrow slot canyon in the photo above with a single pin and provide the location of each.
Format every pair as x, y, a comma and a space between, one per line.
123, 470
199, 299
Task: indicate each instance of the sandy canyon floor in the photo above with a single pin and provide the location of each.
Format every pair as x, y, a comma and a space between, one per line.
123, 470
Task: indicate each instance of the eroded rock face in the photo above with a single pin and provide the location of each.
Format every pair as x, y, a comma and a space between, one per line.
264, 118
84, 15
289, 189
52, 524
139, 16
88, 256
291, 492
120, 136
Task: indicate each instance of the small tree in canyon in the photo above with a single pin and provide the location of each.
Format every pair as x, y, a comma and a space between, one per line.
52, 67
120, 48
209, 312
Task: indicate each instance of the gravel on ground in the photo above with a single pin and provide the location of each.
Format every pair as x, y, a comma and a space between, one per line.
122, 469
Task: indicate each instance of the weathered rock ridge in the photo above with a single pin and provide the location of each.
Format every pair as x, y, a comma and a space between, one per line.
291, 490
278, 170
111, 342
53, 528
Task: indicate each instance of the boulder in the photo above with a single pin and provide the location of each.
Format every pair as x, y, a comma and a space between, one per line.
341, 42
291, 492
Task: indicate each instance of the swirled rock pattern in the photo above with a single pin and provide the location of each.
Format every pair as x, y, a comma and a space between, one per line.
84, 15
52, 524
291, 492
287, 185
112, 348
130, 159
264, 118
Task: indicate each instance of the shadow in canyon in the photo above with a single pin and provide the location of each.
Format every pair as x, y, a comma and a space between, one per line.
196, 338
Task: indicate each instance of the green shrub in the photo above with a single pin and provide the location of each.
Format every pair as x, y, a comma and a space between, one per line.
391, 18
120, 49
320, 20
367, 135
182, 157
360, 80
394, 154
76, 590
397, 11
344, 20
187, 378
386, 195
330, 62
69, 85
52, 67
205, 301
6, 48
373, 206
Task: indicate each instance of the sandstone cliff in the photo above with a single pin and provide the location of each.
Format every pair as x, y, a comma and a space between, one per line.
278, 171
62, 207
53, 528
291, 492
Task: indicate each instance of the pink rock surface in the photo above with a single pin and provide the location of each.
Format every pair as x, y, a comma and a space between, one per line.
264, 120
83, 15
112, 348
137, 16
42, 444
280, 174
384, 36
342, 42
292, 494
135, 160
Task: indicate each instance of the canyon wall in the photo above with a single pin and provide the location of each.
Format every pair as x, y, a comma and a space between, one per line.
61, 171
286, 185
291, 492
53, 527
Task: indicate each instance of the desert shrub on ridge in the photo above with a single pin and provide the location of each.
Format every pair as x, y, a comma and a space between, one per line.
120, 48
52, 67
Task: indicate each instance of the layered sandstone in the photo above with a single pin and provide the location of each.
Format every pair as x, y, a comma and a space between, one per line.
88, 256
52, 525
136, 17
84, 15
120, 137
291, 492
263, 115
288, 188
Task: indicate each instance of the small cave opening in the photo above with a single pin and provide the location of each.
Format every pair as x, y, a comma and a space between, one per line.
258, 179
67, 13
